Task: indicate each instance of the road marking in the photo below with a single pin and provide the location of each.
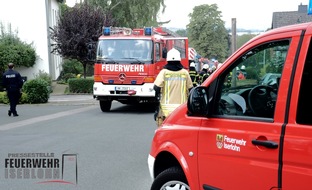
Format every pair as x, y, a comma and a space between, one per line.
44, 118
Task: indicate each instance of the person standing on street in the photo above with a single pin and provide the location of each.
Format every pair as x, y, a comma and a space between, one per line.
172, 86
194, 74
204, 73
12, 82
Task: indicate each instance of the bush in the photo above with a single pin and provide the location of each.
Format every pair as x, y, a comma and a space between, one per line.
80, 85
37, 91
13, 49
68, 76
45, 76
252, 73
1, 87
72, 66
70, 69
24, 99
5, 100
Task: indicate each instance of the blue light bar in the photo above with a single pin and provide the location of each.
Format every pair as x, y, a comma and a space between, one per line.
111, 81
106, 31
148, 31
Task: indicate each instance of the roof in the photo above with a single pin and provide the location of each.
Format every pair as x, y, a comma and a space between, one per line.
291, 17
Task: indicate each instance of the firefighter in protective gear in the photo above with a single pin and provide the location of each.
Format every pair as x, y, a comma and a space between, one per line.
244, 73
228, 80
194, 74
172, 86
213, 68
204, 74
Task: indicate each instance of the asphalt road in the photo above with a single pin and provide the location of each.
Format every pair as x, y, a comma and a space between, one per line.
83, 147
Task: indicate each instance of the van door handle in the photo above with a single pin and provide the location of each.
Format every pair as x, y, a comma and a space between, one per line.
268, 144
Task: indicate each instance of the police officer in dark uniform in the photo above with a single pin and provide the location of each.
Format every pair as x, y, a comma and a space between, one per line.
12, 82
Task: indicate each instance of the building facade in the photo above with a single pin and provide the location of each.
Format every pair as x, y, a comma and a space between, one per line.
32, 20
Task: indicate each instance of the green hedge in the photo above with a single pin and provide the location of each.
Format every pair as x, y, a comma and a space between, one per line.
80, 85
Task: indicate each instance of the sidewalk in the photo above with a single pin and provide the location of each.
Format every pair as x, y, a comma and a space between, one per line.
72, 99
58, 89
59, 96
58, 102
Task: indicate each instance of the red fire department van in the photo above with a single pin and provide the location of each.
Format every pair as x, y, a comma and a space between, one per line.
251, 133
128, 61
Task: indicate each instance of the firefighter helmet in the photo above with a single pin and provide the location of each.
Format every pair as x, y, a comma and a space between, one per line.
173, 55
206, 66
192, 64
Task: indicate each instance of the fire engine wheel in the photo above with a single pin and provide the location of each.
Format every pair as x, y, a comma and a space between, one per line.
105, 105
170, 179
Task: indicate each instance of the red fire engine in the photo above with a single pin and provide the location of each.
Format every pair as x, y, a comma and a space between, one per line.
128, 61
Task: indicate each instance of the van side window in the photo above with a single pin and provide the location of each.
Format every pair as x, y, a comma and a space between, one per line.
157, 51
250, 87
305, 100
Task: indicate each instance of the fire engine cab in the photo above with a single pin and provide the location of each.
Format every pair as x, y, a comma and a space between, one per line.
128, 61
244, 133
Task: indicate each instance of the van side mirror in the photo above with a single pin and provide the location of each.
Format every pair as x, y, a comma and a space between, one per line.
198, 101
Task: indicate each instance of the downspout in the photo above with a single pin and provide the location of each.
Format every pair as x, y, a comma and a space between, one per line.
51, 65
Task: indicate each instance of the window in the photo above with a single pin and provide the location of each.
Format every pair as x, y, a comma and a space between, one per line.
157, 50
134, 49
305, 100
179, 44
250, 87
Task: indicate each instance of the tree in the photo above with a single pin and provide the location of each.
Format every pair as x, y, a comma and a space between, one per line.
12, 49
77, 30
207, 33
181, 32
241, 40
132, 13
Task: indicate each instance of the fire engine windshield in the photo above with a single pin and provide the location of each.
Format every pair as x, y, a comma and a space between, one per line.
125, 50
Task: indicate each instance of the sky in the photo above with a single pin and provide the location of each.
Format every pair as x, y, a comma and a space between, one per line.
249, 14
